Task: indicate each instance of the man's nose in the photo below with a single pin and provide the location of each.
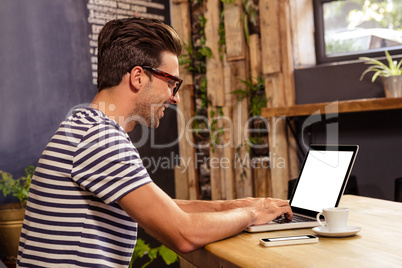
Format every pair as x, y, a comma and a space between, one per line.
175, 99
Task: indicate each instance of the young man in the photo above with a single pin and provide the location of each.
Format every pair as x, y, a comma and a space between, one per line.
90, 188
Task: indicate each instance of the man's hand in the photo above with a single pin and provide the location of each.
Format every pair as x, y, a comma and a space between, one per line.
269, 209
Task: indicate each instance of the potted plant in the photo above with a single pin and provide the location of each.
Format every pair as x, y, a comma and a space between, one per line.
12, 214
391, 75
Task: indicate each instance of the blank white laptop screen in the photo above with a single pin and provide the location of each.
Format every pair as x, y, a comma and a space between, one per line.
321, 180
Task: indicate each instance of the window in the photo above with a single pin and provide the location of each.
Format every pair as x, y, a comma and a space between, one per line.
347, 29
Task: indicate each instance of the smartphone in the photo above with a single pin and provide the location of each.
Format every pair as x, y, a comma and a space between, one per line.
288, 240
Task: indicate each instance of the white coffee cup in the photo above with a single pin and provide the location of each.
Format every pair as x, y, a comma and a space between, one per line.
336, 219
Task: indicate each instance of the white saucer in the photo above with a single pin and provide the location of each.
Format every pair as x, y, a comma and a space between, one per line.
350, 230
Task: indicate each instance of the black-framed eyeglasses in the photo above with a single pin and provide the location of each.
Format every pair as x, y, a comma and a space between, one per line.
173, 81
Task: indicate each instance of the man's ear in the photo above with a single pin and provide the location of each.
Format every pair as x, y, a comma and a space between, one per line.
137, 78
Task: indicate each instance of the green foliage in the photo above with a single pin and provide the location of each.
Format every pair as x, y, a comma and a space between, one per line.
200, 125
222, 38
142, 249
203, 22
205, 51
387, 14
380, 69
216, 132
228, 1
18, 188
255, 92
249, 15
204, 97
255, 140
194, 59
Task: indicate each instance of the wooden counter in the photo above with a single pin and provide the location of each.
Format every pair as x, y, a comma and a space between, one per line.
334, 107
378, 244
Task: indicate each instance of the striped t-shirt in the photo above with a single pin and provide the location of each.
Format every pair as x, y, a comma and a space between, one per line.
72, 218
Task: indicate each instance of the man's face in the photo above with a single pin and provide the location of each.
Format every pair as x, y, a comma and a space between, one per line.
158, 92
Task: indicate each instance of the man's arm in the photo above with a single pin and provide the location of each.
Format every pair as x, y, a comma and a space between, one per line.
161, 217
215, 205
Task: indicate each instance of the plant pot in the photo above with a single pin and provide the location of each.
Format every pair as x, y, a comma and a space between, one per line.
11, 217
392, 86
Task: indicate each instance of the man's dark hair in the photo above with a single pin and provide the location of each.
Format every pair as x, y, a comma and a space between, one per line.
126, 43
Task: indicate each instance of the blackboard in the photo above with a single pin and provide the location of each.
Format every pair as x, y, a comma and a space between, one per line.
47, 68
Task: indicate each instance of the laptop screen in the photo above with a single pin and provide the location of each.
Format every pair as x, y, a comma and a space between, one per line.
323, 178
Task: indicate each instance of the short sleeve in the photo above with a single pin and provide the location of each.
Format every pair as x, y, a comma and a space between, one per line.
107, 164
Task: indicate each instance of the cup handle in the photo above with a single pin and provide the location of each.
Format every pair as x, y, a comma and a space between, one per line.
318, 219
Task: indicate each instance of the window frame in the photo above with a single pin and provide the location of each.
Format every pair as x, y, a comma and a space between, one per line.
319, 37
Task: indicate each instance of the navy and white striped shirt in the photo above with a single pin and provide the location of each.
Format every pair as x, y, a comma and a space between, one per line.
72, 218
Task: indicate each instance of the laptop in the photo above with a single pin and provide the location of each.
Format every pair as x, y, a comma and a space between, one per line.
321, 183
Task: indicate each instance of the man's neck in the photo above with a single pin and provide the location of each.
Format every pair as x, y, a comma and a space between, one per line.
108, 102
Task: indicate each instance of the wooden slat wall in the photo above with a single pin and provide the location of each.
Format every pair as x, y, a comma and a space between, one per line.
269, 54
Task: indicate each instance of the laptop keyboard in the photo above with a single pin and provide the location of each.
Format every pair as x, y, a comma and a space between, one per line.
296, 218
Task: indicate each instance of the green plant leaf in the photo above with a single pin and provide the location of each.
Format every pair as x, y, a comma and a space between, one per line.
390, 62
398, 67
241, 94
168, 255
153, 253
18, 188
206, 51
141, 249
380, 69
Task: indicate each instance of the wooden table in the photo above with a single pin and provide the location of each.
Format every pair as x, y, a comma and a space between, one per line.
378, 244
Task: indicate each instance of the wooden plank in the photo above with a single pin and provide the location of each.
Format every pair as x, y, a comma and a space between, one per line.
277, 138
273, 90
215, 155
278, 150
186, 179
255, 57
214, 66
293, 164
227, 160
181, 182
243, 180
302, 23
348, 106
221, 155
228, 87
262, 177
234, 31
181, 22
185, 111
286, 53
270, 41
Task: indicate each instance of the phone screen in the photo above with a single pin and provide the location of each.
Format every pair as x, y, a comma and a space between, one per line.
286, 238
